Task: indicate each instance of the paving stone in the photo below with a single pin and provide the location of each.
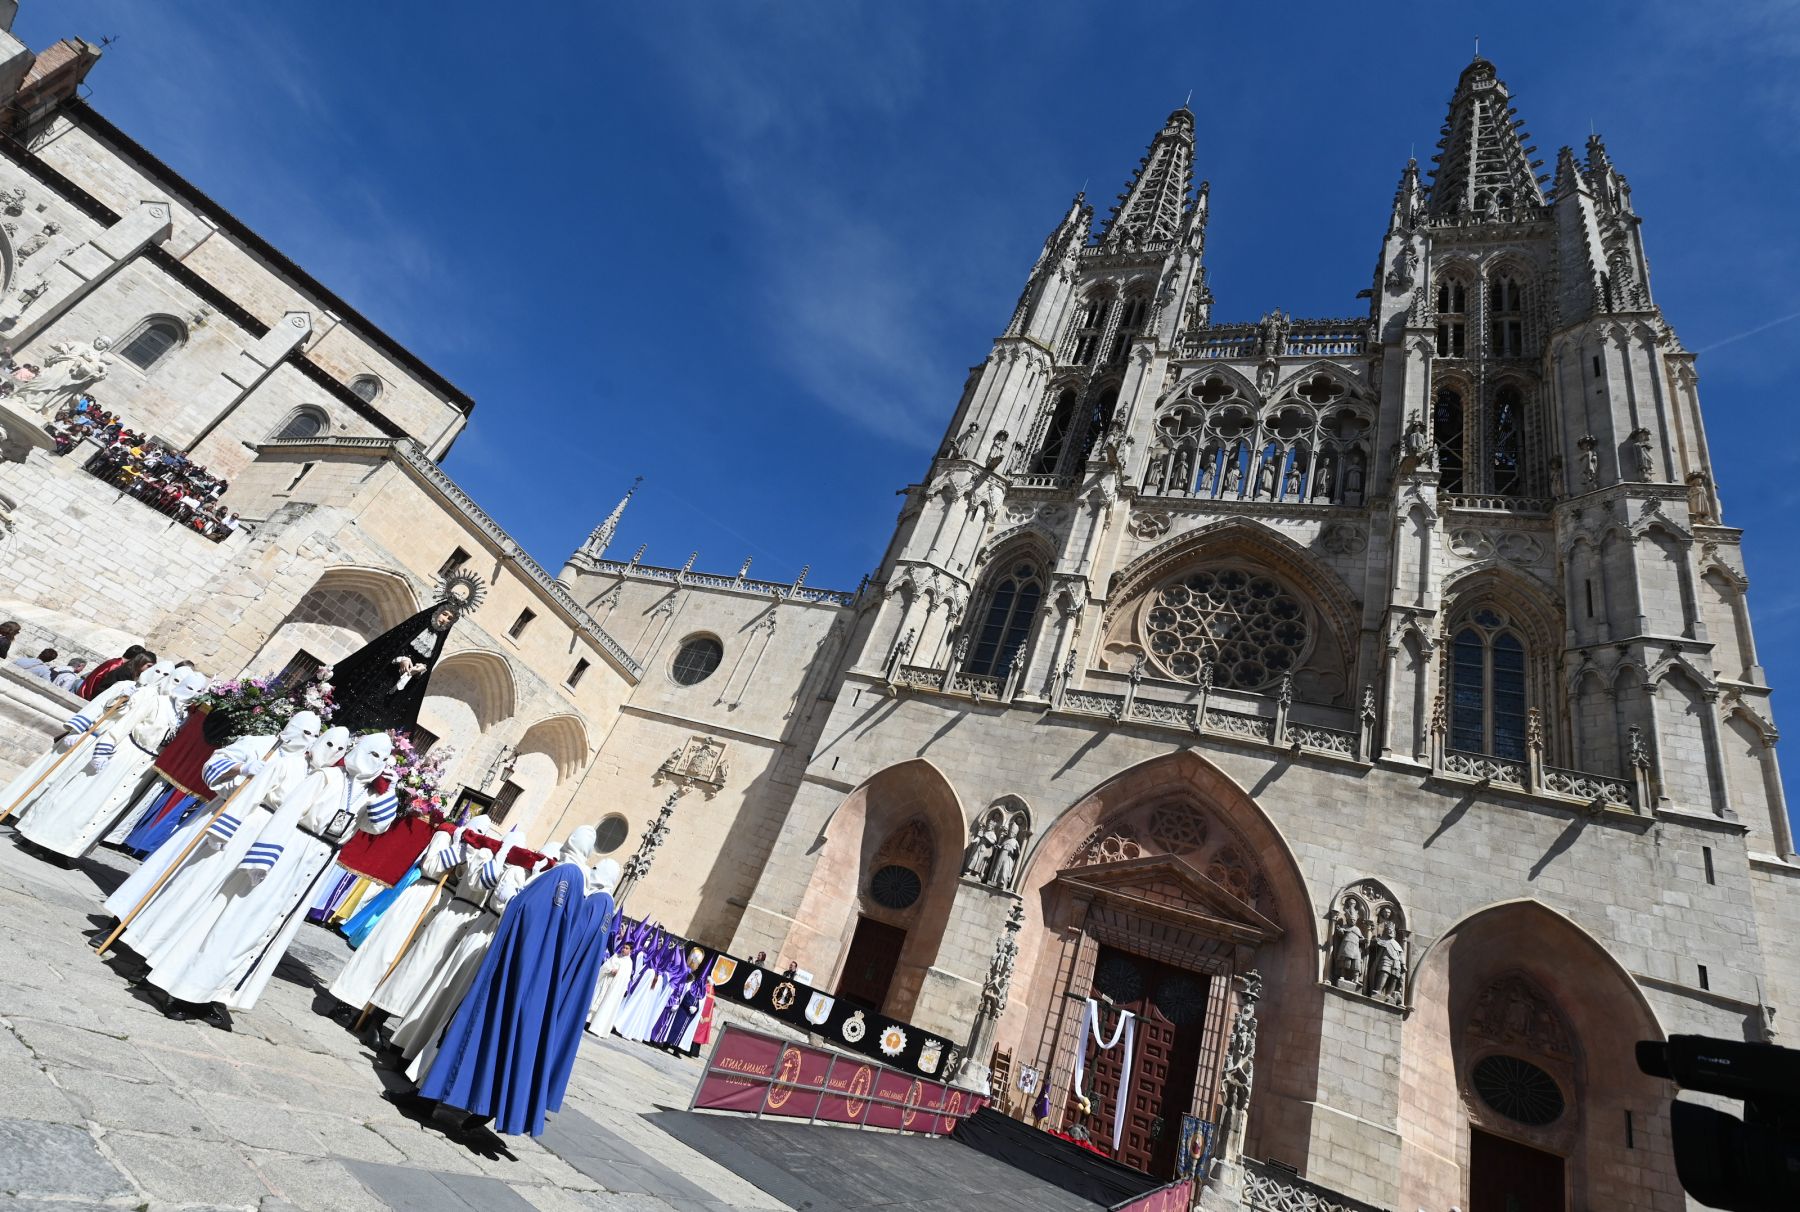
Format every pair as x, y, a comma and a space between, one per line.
117, 1103
55, 1043
405, 1188
315, 1184
185, 1171
55, 1159
349, 1139
8, 1204
30, 1094
260, 1125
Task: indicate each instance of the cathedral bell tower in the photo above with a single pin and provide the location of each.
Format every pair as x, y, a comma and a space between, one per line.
1035, 455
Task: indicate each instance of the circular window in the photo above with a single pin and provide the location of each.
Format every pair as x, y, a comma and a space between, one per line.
1250, 628
896, 887
1118, 976
366, 386
1518, 1089
610, 833
698, 657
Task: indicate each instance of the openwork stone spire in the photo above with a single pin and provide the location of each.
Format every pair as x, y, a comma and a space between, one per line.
602, 537
1155, 204
1483, 167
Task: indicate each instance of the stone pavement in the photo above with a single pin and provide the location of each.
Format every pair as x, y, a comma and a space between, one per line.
105, 1103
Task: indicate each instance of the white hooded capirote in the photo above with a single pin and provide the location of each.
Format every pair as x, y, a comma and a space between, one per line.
183, 686
251, 776
230, 950
71, 820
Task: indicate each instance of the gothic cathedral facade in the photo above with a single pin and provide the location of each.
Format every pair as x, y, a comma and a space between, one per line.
1401, 659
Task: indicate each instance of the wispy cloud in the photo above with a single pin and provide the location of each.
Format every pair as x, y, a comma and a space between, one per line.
852, 307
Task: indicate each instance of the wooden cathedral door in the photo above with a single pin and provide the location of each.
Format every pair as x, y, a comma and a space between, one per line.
1171, 1007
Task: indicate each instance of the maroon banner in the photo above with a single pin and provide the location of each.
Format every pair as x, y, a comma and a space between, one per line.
1172, 1198
754, 1074
738, 1075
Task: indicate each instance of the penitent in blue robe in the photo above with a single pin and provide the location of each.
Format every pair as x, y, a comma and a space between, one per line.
510, 1048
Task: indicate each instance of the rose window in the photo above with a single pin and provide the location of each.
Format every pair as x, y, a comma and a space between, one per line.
1247, 625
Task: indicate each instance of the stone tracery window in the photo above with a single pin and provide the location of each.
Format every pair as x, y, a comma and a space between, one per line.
1452, 317
1488, 699
1243, 623
1088, 329
1447, 433
1058, 420
1006, 619
1506, 318
1506, 441
1311, 446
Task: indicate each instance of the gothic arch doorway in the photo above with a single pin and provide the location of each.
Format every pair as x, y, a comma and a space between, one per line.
889, 856
1168, 871
1520, 1077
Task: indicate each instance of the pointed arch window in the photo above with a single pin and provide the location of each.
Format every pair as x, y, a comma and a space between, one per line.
1056, 434
1005, 625
1447, 431
1453, 317
152, 342
1487, 688
1098, 419
1090, 326
1506, 317
1131, 322
1506, 440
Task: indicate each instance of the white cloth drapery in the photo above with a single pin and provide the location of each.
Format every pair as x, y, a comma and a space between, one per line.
1127, 1027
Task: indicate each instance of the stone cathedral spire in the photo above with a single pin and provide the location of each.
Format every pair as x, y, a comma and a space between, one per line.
1483, 167
597, 542
1154, 205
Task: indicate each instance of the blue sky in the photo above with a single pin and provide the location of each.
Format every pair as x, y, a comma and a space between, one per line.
749, 250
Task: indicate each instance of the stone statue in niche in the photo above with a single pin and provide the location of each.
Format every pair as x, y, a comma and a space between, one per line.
1645, 454
1590, 460
1295, 476
1233, 472
1323, 479
1347, 945
1387, 964
1240, 1067
1366, 950
1267, 477
1006, 859
978, 855
995, 843
1414, 441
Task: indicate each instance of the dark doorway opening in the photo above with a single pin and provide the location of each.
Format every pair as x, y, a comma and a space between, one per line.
1505, 1176
1171, 1005
869, 968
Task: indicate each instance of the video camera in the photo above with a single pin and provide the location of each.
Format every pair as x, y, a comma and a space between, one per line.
1747, 1165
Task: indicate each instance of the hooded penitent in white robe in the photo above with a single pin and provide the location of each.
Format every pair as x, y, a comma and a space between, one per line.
261, 770
77, 734
227, 954
71, 820
355, 985
183, 689
615, 973
426, 963
418, 1035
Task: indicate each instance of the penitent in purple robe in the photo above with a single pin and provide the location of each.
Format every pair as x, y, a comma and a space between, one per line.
510, 1048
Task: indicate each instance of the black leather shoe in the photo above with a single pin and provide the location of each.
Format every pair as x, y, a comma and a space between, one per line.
216, 1016
181, 1012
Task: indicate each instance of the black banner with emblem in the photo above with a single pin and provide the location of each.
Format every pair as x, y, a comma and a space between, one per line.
896, 1044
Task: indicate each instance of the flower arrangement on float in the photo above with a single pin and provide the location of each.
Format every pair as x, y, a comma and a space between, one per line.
417, 778
263, 706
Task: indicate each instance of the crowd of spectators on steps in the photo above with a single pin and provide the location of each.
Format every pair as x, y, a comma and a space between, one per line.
161, 477
74, 675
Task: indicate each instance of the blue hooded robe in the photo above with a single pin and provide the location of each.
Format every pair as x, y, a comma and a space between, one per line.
510, 1048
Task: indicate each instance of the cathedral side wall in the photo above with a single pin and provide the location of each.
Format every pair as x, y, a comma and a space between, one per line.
112, 176
93, 564
761, 702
